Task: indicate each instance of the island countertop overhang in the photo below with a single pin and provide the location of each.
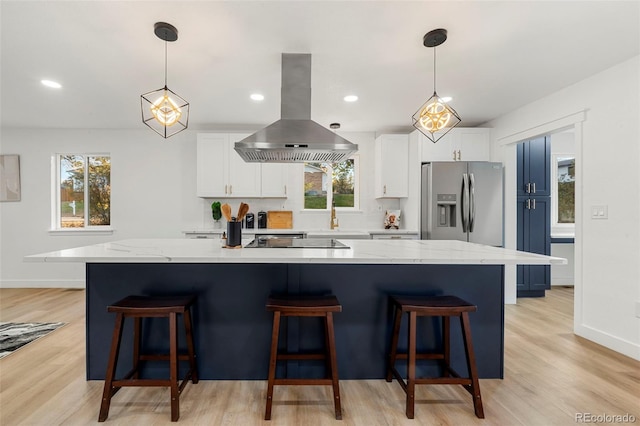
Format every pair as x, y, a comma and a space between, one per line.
435, 252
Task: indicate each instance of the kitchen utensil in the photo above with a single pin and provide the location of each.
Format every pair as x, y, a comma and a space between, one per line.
242, 211
280, 219
262, 219
226, 211
250, 220
234, 234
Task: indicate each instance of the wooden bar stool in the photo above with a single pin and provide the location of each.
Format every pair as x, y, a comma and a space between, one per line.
304, 306
438, 306
138, 307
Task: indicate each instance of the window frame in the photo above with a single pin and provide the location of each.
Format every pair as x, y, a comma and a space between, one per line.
56, 203
559, 229
356, 189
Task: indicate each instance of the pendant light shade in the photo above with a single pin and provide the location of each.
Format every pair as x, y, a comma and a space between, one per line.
163, 110
435, 118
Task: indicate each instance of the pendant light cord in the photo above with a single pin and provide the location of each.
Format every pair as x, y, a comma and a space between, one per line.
434, 69
165, 62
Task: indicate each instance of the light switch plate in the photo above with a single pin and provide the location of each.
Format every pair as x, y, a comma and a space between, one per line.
599, 212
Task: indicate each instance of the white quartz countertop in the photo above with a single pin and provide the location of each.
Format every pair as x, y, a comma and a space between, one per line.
360, 252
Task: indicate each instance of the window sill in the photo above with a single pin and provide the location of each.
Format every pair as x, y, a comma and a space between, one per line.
81, 231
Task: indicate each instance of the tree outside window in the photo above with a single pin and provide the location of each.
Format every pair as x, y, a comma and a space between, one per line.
563, 192
84, 198
325, 183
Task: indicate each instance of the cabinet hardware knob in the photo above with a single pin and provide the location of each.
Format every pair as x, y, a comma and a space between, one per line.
384, 189
454, 155
534, 188
285, 190
230, 189
528, 203
534, 203
225, 189
459, 155
528, 187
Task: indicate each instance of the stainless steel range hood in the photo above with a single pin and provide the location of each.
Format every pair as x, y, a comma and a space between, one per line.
295, 138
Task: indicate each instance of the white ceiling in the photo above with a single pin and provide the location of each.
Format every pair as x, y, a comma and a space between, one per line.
499, 56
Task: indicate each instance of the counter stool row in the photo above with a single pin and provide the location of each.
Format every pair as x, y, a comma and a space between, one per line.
139, 307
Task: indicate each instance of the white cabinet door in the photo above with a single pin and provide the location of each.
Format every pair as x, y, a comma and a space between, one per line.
274, 179
392, 166
211, 164
474, 144
443, 150
221, 172
243, 177
460, 144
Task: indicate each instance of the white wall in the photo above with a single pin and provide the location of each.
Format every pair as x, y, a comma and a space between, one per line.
607, 287
153, 196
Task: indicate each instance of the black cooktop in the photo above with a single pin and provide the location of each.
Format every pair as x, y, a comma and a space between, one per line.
284, 242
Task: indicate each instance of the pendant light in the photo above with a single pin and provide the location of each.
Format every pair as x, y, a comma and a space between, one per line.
163, 110
435, 118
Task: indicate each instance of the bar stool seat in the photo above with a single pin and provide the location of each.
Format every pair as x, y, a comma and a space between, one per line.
304, 306
435, 306
139, 307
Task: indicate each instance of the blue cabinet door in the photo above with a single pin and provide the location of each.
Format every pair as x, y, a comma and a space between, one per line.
534, 236
534, 167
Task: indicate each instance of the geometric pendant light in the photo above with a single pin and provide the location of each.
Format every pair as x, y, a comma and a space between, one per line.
435, 118
163, 110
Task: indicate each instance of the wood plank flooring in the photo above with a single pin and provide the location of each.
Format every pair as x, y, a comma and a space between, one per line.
550, 376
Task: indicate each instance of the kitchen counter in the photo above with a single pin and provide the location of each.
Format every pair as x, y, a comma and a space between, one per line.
232, 328
360, 252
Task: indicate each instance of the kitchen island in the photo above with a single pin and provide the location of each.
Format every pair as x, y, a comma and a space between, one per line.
233, 329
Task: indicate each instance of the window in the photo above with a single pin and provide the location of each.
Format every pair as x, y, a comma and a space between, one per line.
83, 191
563, 191
325, 183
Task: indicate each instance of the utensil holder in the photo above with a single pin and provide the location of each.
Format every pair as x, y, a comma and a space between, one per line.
234, 234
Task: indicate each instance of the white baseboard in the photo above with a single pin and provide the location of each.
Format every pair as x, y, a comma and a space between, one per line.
614, 343
563, 281
70, 283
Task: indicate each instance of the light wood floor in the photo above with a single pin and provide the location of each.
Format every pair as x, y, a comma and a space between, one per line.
550, 376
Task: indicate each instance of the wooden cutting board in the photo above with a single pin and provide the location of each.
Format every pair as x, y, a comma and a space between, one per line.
280, 219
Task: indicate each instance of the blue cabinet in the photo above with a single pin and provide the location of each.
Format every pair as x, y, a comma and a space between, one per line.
534, 236
534, 214
534, 167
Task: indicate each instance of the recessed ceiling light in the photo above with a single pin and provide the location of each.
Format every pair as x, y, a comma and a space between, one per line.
52, 84
257, 97
446, 98
350, 98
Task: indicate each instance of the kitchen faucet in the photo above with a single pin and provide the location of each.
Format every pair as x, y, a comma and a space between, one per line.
334, 219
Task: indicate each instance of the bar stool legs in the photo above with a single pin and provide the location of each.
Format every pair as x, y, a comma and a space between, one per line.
445, 307
142, 307
306, 307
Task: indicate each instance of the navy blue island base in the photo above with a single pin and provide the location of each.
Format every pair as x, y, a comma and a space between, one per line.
233, 328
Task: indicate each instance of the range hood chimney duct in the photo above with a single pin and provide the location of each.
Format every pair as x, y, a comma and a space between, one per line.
295, 138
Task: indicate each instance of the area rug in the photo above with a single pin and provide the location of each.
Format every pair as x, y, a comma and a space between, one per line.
14, 335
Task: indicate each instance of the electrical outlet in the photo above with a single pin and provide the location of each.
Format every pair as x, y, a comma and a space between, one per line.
599, 212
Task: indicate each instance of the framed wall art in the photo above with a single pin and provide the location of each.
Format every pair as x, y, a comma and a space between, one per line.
9, 178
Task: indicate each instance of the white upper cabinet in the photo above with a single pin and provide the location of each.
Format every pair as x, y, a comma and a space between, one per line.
460, 144
222, 173
220, 170
392, 166
274, 180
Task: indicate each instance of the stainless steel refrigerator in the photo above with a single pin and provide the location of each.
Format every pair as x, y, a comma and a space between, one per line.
462, 201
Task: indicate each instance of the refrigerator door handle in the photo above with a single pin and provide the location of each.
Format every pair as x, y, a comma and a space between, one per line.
464, 211
472, 202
